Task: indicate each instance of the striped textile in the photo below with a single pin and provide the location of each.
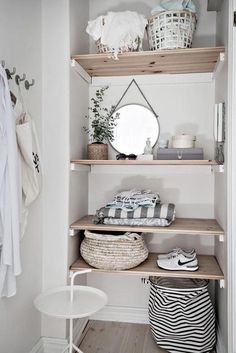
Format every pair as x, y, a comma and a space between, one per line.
181, 320
165, 211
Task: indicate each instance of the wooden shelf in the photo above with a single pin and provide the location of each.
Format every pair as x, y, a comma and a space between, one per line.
188, 226
202, 162
208, 269
175, 61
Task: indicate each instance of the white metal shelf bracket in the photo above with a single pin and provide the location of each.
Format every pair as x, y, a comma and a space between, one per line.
73, 232
221, 238
219, 65
79, 168
222, 283
220, 168
81, 72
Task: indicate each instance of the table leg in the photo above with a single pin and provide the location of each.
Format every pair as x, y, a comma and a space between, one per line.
77, 349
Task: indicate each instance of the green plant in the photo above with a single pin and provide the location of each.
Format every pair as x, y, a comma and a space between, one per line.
101, 119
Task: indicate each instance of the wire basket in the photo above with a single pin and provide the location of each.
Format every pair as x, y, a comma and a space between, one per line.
171, 29
103, 49
113, 252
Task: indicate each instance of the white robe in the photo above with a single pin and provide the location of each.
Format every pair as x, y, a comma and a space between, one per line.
10, 265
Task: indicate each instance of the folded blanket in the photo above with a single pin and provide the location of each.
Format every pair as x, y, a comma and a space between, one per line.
131, 199
148, 222
164, 211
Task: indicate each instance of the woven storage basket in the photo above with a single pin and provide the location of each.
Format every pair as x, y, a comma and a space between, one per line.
171, 29
137, 46
113, 252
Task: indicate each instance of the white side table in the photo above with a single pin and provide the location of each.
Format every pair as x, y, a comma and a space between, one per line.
71, 302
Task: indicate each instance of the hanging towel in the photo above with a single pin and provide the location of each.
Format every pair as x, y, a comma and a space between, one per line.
10, 265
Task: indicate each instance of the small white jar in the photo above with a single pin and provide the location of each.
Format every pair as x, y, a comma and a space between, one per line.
183, 141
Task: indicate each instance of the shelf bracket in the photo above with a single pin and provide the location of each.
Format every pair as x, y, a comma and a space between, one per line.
73, 232
80, 168
220, 168
221, 238
222, 283
219, 65
81, 72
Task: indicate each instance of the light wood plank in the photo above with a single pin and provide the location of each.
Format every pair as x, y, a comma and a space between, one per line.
188, 226
206, 162
119, 337
208, 269
176, 61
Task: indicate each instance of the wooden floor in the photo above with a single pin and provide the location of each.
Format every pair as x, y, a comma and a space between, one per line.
117, 337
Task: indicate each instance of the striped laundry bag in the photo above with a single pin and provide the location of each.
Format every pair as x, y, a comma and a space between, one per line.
181, 315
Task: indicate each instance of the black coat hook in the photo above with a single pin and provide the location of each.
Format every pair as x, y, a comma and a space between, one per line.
10, 74
19, 79
28, 85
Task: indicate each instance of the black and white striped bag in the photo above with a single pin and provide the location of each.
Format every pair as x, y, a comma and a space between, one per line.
181, 315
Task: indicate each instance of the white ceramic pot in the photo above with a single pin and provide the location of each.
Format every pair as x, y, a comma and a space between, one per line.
183, 141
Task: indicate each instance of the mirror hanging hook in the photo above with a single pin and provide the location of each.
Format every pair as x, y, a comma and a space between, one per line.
28, 84
19, 79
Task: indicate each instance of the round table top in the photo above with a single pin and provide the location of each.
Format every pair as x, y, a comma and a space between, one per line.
56, 302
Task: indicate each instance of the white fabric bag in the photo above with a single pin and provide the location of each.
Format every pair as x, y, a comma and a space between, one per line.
30, 155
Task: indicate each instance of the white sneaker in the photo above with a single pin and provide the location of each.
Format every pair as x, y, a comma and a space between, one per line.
178, 262
188, 253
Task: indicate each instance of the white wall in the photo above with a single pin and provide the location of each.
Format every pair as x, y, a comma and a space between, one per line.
56, 55
20, 46
182, 107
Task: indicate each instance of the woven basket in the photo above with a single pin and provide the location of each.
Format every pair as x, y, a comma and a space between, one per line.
171, 30
137, 46
113, 252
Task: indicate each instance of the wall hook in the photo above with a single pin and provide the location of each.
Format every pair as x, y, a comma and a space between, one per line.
10, 74
3, 63
13, 72
19, 79
28, 85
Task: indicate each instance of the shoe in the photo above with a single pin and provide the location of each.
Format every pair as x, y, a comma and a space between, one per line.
179, 262
187, 253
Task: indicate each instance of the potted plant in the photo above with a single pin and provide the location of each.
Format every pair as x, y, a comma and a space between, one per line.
101, 126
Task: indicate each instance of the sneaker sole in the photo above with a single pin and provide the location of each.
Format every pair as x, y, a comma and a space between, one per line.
184, 268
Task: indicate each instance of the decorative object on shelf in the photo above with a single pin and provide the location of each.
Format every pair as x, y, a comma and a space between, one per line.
145, 157
135, 124
122, 156
177, 303
163, 143
113, 252
118, 32
219, 132
183, 141
180, 153
102, 122
171, 30
148, 146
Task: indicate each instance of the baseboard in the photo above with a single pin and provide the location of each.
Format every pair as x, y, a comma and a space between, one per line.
56, 345
38, 348
220, 345
122, 314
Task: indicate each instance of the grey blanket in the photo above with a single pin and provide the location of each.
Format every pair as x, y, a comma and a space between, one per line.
162, 211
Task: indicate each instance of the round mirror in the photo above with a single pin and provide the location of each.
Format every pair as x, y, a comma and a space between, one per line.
135, 124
